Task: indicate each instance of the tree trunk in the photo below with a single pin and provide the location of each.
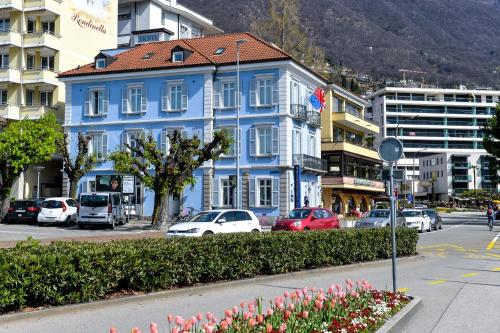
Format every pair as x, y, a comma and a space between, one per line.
73, 185
4, 206
160, 211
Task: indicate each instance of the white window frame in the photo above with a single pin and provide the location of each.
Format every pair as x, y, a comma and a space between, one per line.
4, 60
51, 27
166, 102
269, 141
126, 138
4, 92
233, 132
176, 58
100, 63
103, 149
3, 24
165, 141
255, 140
255, 189
48, 60
32, 97
127, 98
267, 87
223, 94
175, 97
49, 98
255, 98
89, 110
297, 141
223, 187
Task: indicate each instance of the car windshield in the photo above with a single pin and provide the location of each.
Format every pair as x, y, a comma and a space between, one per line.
22, 204
412, 213
94, 200
431, 213
52, 204
299, 213
379, 213
204, 217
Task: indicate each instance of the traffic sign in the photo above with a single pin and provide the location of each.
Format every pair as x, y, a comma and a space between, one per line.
390, 150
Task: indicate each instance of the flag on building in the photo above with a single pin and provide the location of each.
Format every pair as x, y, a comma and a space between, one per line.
412, 133
317, 99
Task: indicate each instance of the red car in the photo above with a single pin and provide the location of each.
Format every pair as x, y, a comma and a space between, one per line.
302, 219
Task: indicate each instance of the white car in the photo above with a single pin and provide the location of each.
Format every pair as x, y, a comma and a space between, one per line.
57, 210
417, 219
216, 222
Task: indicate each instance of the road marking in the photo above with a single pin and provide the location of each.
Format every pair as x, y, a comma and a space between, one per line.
438, 282
492, 243
493, 255
470, 274
496, 269
403, 290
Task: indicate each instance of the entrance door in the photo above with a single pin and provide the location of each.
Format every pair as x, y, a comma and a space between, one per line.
173, 205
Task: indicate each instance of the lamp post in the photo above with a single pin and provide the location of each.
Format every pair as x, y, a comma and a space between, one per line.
413, 177
396, 164
238, 98
38, 169
474, 168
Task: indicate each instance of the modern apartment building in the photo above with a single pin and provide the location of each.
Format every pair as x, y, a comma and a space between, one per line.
190, 85
354, 168
38, 39
159, 20
431, 120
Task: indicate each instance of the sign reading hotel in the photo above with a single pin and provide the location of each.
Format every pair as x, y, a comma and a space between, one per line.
92, 14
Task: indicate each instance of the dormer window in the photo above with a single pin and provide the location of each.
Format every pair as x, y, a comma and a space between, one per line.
100, 63
178, 56
219, 51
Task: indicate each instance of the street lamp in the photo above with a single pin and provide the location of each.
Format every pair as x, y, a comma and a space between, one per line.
474, 168
238, 95
38, 169
413, 179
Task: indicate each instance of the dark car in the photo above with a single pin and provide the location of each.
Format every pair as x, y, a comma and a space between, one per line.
436, 222
303, 219
23, 211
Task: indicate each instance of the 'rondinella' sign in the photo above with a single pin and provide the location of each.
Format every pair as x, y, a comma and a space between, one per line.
94, 15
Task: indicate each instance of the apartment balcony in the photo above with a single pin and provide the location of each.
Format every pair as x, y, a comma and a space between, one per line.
462, 178
8, 4
355, 121
461, 165
300, 112
10, 74
40, 75
8, 111
351, 147
36, 111
352, 183
310, 163
42, 40
53, 6
9, 37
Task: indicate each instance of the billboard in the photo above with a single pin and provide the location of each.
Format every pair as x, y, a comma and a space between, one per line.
108, 183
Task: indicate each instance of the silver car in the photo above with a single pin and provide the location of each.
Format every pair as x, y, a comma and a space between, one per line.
379, 218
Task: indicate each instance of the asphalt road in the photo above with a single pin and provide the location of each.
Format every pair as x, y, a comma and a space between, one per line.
457, 278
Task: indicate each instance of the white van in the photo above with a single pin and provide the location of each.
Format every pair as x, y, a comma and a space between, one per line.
101, 208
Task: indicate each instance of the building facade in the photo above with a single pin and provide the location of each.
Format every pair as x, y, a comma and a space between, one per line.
434, 121
354, 169
39, 39
190, 86
159, 20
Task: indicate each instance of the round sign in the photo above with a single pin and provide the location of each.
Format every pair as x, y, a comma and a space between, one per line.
390, 150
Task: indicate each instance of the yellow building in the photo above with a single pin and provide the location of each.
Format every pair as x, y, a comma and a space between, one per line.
39, 39
354, 168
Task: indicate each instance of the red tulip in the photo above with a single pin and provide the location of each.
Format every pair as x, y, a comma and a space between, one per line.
170, 318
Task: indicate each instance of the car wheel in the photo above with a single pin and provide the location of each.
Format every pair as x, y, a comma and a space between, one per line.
80, 226
67, 222
207, 233
440, 226
40, 224
430, 227
421, 227
255, 230
113, 222
5, 220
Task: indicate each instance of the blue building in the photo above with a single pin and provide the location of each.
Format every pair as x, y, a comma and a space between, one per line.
190, 85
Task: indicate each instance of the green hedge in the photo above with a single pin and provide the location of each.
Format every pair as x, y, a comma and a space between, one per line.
71, 272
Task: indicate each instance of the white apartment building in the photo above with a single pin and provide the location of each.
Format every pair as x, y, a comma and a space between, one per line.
159, 20
435, 121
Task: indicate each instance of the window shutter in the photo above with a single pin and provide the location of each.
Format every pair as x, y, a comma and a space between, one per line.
164, 141
294, 142
253, 97
275, 138
144, 99
253, 143
275, 197
164, 97
124, 100
184, 134
185, 95
251, 194
124, 141
104, 148
217, 95
275, 91
215, 192
105, 101
84, 186
86, 103
238, 131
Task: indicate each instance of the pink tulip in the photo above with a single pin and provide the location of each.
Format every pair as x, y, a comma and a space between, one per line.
175, 330
153, 328
187, 325
318, 304
269, 328
136, 330
170, 318
224, 325
291, 306
247, 315
331, 290
229, 320
283, 327
286, 294
113, 330
209, 316
251, 322
269, 312
251, 307
305, 314
179, 321
208, 328
313, 289
199, 316
228, 313
287, 314
242, 305
260, 319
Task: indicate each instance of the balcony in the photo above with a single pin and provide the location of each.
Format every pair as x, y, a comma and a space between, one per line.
53, 6
40, 76
461, 165
300, 112
7, 4
8, 111
36, 111
342, 145
352, 183
353, 120
462, 178
42, 40
10, 74
9, 37
310, 163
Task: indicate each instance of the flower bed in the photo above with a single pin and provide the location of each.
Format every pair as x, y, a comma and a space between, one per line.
353, 309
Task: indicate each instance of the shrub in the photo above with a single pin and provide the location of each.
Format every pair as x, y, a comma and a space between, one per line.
73, 272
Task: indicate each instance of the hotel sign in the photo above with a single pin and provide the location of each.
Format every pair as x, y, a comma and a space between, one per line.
361, 181
92, 14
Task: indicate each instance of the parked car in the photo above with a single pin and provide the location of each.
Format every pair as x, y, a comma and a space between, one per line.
417, 219
101, 208
23, 211
303, 219
57, 210
436, 221
380, 218
211, 222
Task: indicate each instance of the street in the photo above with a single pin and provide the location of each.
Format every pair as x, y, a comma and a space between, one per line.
456, 276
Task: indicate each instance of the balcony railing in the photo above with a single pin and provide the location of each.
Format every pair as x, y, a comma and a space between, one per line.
339, 140
309, 162
461, 165
300, 112
463, 178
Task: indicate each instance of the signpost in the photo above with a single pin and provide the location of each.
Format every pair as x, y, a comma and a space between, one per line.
128, 186
391, 150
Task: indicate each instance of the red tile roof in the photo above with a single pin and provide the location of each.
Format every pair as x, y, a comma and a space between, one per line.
203, 54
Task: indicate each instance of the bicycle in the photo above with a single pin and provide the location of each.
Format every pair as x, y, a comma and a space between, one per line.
490, 222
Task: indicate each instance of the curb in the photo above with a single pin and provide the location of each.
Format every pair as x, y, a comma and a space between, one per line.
399, 321
63, 309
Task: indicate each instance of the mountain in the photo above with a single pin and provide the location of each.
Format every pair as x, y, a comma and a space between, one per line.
452, 41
